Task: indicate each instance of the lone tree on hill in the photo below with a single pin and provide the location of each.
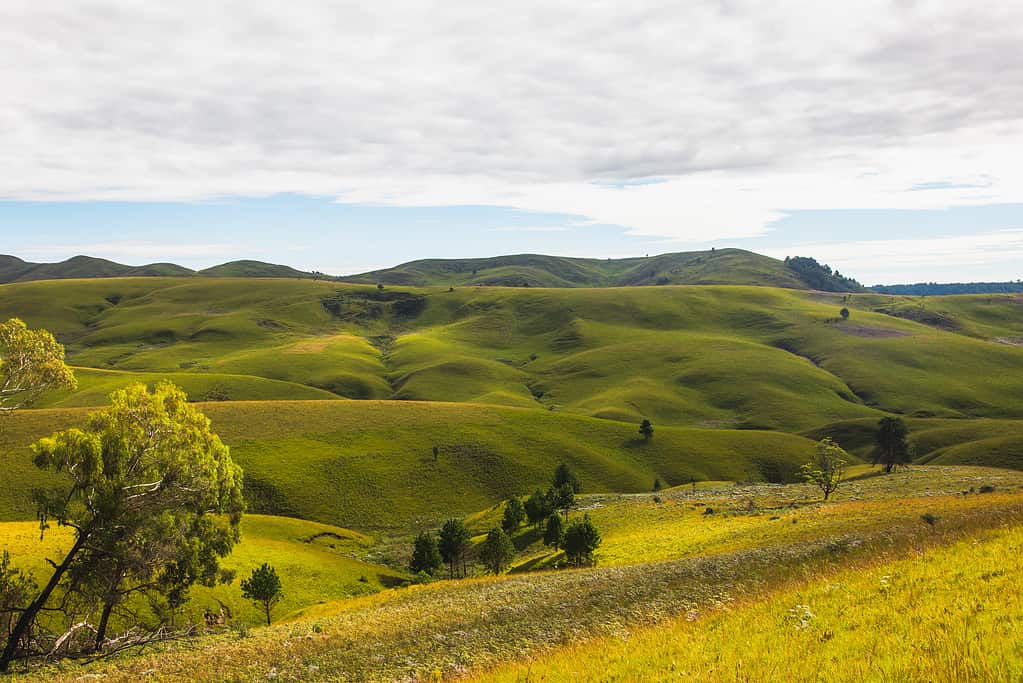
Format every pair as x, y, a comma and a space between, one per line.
554, 532
538, 508
514, 514
844, 313
563, 474
140, 487
454, 545
263, 588
581, 540
31, 362
425, 554
497, 550
827, 467
646, 429
892, 448
436, 452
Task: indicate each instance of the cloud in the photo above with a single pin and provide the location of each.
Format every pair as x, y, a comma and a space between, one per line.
975, 257
740, 110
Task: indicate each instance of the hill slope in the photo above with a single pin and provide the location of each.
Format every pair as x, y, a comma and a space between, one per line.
717, 266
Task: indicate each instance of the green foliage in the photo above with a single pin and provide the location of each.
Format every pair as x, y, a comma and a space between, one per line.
454, 545
657, 484
17, 588
496, 551
844, 313
563, 475
562, 498
263, 588
827, 468
646, 429
554, 532
425, 554
892, 447
581, 540
514, 514
538, 508
820, 276
31, 363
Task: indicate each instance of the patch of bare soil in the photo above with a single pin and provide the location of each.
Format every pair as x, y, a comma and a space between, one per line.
872, 332
1011, 341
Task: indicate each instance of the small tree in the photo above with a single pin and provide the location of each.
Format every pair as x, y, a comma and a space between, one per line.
827, 467
538, 508
562, 498
514, 515
436, 452
497, 550
581, 540
454, 545
657, 484
892, 448
31, 362
425, 554
646, 429
263, 588
844, 313
563, 474
554, 532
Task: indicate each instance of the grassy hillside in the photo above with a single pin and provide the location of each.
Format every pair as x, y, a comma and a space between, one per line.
369, 464
252, 269
709, 356
452, 628
315, 562
94, 386
13, 269
725, 266
857, 625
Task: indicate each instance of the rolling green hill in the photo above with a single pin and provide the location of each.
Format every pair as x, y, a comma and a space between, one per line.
369, 464
706, 356
717, 266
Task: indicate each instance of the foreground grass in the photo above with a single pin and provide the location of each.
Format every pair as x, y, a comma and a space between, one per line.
949, 614
453, 627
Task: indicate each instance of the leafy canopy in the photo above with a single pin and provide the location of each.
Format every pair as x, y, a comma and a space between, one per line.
827, 467
31, 362
497, 550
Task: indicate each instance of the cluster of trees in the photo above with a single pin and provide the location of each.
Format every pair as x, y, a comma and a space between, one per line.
827, 468
543, 510
149, 492
820, 276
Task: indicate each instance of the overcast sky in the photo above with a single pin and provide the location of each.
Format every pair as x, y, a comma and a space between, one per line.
882, 137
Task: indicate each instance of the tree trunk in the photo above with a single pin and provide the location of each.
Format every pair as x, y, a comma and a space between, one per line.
267, 605
32, 611
101, 630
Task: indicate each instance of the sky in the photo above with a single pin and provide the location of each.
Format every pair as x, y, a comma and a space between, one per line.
881, 137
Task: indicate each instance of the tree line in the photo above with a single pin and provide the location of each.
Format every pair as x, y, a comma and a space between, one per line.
543, 510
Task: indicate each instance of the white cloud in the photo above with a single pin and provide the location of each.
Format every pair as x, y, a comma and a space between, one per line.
963, 258
742, 109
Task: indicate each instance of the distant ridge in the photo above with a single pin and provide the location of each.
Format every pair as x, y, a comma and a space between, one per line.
14, 269
713, 267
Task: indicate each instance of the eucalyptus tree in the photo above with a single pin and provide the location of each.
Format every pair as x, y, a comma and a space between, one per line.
151, 495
